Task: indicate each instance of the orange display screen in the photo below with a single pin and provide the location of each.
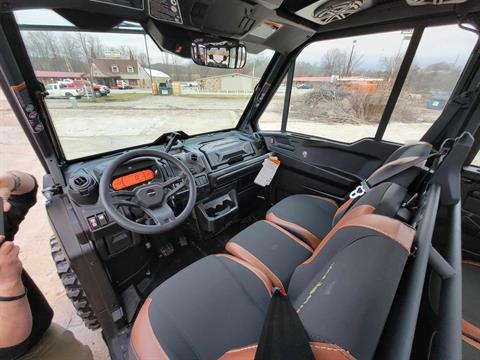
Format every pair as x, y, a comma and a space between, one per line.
138, 177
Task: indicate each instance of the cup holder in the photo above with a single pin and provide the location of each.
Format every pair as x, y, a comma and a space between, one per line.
220, 208
218, 212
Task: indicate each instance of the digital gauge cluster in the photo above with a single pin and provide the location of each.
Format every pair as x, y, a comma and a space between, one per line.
132, 179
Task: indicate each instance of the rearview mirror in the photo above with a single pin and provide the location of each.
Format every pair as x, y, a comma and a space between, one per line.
220, 54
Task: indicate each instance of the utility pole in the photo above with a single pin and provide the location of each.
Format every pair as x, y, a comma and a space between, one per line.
148, 60
347, 73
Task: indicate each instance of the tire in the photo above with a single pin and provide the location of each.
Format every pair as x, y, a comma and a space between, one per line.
72, 286
68, 95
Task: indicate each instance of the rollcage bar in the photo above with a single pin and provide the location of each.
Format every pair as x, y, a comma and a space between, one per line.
398, 337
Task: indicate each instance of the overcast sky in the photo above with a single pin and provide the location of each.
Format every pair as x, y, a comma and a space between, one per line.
439, 44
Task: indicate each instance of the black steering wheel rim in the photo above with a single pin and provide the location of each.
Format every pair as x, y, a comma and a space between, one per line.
107, 199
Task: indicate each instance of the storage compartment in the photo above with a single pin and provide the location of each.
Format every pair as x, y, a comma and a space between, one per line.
215, 214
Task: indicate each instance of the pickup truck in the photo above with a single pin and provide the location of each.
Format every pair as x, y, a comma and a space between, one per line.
57, 90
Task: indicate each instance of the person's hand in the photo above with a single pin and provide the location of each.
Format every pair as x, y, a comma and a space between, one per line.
10, 269
7, 183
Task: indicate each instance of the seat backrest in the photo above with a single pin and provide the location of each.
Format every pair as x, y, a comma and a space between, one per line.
344, 291
387, 197
404, 153
384, 199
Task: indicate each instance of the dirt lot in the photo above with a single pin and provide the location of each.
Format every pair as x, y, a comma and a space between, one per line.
98, 127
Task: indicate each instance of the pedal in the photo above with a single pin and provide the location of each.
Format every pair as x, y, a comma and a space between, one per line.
166, 249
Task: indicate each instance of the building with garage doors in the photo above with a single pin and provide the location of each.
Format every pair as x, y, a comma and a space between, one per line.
235, 82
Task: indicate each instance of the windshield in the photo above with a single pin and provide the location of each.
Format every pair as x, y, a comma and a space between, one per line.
109, 91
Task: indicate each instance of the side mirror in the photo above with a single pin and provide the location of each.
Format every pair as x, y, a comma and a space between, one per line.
220, 54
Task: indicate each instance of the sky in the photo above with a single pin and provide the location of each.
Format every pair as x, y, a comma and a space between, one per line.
439, 44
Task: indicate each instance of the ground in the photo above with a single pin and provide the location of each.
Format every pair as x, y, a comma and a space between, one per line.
86, 128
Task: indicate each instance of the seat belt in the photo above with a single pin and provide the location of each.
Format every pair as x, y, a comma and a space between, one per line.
459, 102
388, 173
283, 335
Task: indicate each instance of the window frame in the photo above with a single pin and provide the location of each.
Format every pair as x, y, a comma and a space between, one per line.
115, 67
417, 35
130, 69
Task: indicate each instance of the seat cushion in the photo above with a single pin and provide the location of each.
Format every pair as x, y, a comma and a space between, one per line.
471, 299
216, 304
271, 249
308, 217
470, 349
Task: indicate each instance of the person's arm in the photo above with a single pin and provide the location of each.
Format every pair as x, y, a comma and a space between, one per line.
18, 191
15, 316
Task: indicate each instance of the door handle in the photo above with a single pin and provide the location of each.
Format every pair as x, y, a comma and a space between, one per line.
285, 147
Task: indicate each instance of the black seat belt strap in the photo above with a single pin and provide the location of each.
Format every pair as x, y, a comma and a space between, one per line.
283, 335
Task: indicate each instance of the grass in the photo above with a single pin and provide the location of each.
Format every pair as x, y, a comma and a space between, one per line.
117, 97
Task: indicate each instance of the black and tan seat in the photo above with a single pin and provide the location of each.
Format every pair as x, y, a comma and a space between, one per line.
470, 306
277, 252
471, 313
215, 308
311, 217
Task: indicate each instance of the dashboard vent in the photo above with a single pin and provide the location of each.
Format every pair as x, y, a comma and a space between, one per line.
339, 10
83, 188
80, 181
434, 2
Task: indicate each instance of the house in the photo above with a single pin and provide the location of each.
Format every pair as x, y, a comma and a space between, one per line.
157, 75
108, 71
49, 77
234, 82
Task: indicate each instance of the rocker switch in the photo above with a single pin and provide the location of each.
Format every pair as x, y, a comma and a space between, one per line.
102, 219
92, 221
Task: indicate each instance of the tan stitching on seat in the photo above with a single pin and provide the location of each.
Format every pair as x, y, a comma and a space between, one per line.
317, 286
243, 348
345, 354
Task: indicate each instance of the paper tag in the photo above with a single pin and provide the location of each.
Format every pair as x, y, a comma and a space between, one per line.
267, 172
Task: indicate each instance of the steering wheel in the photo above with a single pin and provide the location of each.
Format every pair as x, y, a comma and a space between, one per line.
151, 198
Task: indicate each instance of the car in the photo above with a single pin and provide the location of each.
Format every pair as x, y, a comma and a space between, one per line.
246, 219
59, 90
101, 90
122, 85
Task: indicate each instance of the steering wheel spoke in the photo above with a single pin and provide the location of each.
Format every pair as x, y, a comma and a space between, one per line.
175, 190
122, 193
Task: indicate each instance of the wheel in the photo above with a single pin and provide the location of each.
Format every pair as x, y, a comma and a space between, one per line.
68, 95
73, 288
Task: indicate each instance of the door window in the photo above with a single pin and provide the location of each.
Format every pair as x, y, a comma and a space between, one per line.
340, 87
436, 68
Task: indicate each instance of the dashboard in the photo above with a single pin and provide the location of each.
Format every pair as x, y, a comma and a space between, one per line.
221, 163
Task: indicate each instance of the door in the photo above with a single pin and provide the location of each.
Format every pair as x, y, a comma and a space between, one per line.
471, 209
350, 102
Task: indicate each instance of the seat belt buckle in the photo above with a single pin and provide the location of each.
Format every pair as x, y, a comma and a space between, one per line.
360, 190
280, 291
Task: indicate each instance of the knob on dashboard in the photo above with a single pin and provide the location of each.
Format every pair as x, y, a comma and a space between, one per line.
193, 157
